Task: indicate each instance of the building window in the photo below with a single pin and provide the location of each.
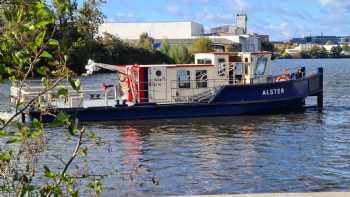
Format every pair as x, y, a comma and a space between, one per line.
184, 79
201, 79
221, 67
204, 61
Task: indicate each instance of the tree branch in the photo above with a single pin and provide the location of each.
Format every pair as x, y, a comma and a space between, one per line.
76, 151
31, 102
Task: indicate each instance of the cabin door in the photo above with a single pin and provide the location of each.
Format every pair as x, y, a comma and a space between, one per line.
157, 84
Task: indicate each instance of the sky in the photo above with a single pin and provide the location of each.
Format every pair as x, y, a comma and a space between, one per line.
281, 19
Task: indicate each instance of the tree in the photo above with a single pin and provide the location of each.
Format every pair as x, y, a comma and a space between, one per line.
202, 45
27, 45
145, 42
180, 54
229, 48
267, 46
164, 46
346, 48
336, 51
317, 52
89, 19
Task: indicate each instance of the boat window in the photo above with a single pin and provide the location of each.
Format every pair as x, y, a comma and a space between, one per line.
246, 69
261, 66
204, 61
221, 67
201, 78
184, 79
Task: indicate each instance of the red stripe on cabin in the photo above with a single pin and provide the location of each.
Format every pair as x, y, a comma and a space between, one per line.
141, 84
190, 65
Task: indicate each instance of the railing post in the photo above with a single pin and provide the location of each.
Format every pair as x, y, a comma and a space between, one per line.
320, 95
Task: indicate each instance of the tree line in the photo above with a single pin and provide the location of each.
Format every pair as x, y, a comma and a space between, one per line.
311, 53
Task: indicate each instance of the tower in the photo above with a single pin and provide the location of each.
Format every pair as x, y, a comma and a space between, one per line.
241, 22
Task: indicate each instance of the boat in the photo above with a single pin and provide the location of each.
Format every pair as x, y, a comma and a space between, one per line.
217, 84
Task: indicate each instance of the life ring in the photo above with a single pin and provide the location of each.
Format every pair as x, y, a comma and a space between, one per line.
282, 78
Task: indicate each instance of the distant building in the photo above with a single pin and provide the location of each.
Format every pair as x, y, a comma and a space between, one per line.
345, 40
157, 30
264, 38
184, 33
322, 40
239, 29
242, 22
300, 48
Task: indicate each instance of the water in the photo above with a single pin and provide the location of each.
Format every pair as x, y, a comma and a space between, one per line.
296, 152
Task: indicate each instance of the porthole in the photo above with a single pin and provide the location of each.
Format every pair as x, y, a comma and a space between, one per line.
158, 73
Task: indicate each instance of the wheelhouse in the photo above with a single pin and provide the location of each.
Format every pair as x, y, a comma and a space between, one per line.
179, 83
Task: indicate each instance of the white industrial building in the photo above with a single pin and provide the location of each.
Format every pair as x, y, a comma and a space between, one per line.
157, 30
183, 33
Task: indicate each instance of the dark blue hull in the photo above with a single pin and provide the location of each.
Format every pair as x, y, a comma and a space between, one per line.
230, 100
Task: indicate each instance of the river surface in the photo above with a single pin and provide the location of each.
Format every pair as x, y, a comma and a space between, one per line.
296, 152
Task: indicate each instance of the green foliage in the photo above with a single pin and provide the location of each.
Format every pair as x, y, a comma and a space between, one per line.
61, 119
75, 83
48, 173
6, 155
180, 54
336, 51
145, 42
83, 152
96, 186
31, 43
202, 45
3, 133
318, 52
89, 19
267, 46
112, 50
229, 48
346, 48
164, 46
25, 35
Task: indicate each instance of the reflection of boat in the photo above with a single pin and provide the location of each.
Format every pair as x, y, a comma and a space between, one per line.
219, 84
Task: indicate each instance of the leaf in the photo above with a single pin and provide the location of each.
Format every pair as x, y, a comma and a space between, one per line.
46, 54
61, 119
36, 133
3, 133
39, 40
48, 173
42, 23
75, 84
43, 70
92, 135
83, 152
73, 127
36, 124
6, 155
74, 193
14, 140
62, 92
96, 186
45, 82
53, 42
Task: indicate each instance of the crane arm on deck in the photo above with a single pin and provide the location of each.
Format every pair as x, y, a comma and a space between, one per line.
92, 66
